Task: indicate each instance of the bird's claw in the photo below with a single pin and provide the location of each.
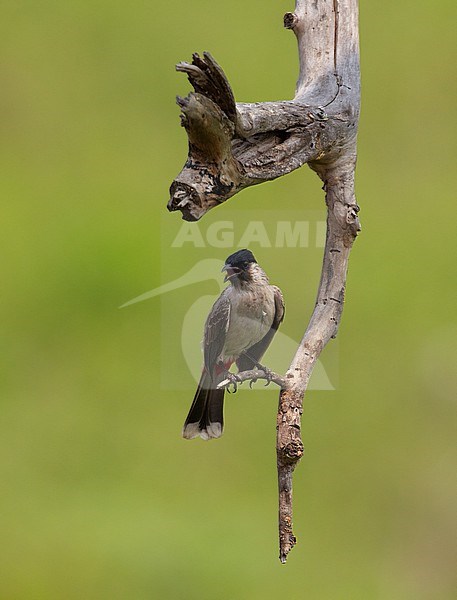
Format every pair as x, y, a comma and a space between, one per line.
233, 380
268, 373
251, 382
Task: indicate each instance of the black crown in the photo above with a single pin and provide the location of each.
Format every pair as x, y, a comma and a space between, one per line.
242, 256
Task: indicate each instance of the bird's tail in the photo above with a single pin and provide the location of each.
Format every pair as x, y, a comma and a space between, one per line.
206, 415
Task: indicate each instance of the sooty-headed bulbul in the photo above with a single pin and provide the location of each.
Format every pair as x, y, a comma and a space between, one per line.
238, 330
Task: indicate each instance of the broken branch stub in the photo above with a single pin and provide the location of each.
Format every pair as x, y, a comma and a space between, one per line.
233, 146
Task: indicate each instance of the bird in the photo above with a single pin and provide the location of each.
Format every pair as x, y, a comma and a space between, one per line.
238, 329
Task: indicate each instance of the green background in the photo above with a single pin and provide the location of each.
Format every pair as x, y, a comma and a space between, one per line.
100, 497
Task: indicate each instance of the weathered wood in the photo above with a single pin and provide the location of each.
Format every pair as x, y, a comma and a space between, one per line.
327, 33
233, 146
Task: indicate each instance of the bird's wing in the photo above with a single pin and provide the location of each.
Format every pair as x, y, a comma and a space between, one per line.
255, 352
216, 328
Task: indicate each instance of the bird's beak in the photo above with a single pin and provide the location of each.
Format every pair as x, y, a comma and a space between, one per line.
230, 271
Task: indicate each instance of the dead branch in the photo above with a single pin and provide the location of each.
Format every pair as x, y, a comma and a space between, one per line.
233, 146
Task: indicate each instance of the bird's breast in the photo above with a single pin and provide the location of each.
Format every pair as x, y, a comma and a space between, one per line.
251, 316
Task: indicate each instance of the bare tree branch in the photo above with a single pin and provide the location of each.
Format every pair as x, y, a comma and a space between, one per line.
342, 228
233, 146
321, 27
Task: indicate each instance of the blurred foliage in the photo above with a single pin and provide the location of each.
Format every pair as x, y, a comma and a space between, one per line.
100, 498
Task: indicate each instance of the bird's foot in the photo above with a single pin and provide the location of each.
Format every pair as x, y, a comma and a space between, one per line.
268, 373
233, 380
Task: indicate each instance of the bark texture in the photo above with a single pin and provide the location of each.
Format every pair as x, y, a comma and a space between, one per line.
235, 145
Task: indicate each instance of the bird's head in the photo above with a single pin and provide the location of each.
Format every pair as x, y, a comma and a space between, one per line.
239, 266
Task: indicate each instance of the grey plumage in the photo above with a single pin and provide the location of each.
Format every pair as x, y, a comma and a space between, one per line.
239, 328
